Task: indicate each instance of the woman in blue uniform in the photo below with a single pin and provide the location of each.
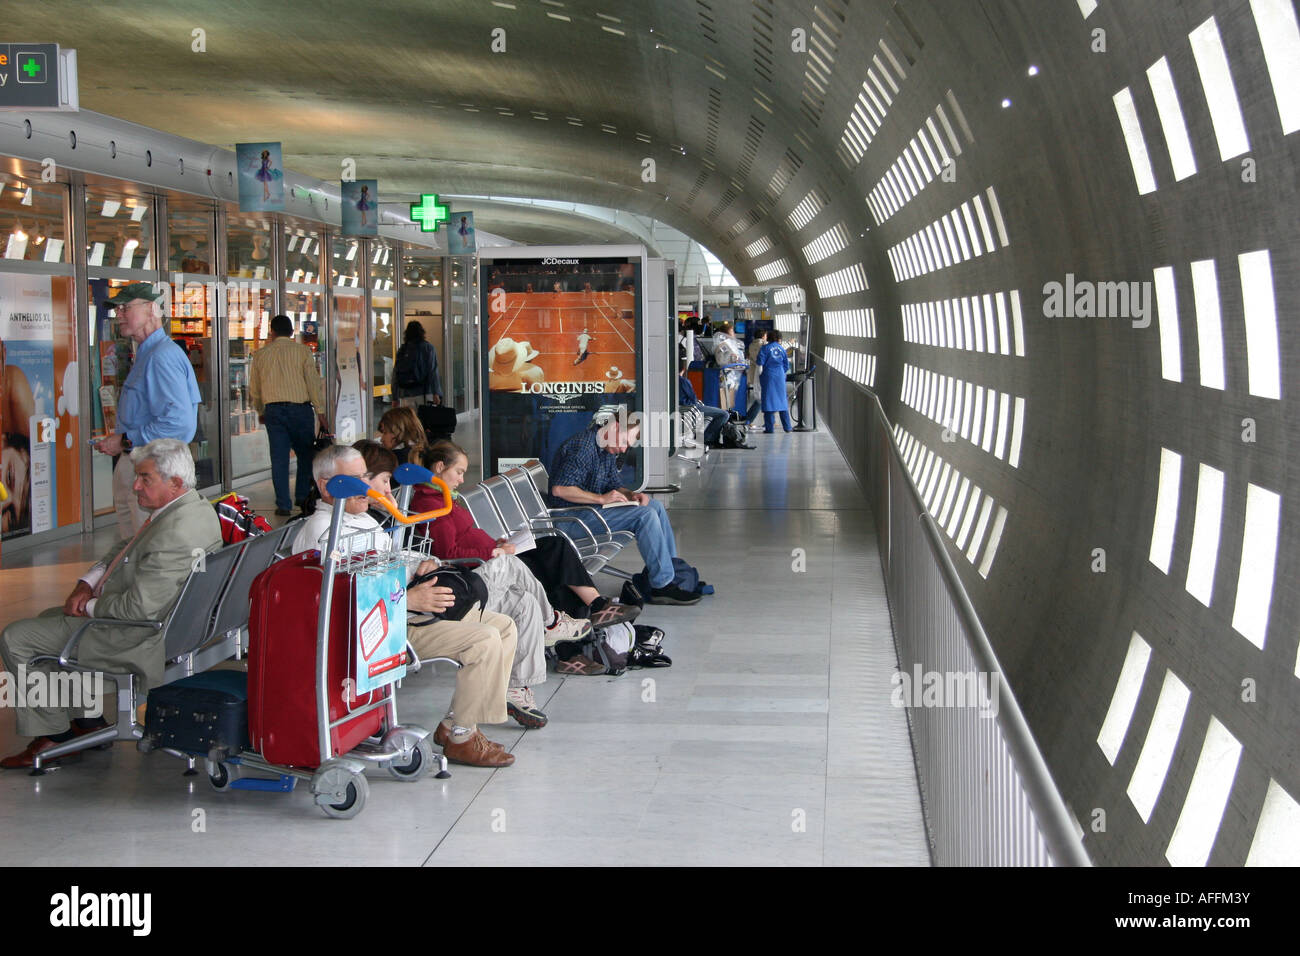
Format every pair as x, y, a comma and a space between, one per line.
773, 365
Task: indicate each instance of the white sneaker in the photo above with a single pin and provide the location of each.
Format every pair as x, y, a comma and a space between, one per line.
567, 629
522, 706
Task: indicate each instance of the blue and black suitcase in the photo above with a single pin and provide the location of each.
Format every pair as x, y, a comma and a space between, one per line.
205, 715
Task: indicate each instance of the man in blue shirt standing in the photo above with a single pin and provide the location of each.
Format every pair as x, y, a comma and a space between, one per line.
160, 398
587, 473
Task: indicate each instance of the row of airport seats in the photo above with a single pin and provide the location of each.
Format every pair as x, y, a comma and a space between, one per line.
208, 623
512, 501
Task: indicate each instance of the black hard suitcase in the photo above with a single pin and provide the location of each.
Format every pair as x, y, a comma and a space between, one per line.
205, 714
439, 421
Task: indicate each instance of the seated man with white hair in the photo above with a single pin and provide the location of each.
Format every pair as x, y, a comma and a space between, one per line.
138, 580
484, 642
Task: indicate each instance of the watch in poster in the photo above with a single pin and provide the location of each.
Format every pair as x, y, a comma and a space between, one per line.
261, 177
360, 207
560, 342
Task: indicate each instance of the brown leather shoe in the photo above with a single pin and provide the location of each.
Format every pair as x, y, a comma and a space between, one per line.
478, 751
442, 737
27, 759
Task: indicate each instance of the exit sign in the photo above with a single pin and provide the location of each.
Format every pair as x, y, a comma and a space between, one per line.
37, 76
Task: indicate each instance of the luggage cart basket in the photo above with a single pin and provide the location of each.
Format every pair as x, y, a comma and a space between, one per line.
338, 783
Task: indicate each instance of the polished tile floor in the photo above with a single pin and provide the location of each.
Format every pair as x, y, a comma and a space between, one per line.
770, 741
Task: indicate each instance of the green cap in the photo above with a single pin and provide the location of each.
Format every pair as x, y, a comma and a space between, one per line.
133, 291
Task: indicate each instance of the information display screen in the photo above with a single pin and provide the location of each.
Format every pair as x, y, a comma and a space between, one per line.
561, 340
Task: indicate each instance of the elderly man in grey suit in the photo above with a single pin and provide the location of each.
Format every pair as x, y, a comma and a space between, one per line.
138, 580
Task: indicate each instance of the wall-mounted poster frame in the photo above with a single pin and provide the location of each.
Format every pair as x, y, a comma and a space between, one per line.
563, 334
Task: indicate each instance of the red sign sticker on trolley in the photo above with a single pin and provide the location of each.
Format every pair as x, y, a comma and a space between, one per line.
381, 628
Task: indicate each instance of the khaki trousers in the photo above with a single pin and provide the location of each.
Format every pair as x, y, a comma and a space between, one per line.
513, 590
48, 634
484, 643
129, 514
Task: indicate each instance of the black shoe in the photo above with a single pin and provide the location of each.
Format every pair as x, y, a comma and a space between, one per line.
672, 595
283, 512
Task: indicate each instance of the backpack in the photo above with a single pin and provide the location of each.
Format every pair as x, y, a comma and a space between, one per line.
618, 647
685, 577
733, 435
410, 370
238, 520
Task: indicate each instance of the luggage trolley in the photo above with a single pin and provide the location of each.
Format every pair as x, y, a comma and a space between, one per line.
337, 779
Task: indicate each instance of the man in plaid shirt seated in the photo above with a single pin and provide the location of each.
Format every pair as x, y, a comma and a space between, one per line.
587, 472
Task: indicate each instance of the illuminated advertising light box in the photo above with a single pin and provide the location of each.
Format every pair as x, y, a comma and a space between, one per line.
562, 337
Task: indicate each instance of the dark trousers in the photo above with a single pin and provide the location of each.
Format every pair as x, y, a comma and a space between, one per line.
717, 418
556, 566
289, 425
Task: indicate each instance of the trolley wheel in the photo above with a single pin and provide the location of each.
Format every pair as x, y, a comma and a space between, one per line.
220, 777
413, 769
339, 792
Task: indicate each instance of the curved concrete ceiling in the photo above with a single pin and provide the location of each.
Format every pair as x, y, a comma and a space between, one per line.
902, 163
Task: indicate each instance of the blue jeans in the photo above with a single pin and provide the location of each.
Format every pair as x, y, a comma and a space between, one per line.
290, 426
717, 418
654, 536
785, 420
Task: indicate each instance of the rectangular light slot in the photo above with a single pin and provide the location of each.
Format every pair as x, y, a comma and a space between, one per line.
984, 222
1125, 697
1205, 534
1016, 432
1171, 359
1017, 324
96, 257
965, 412
970, 227
758, 247
1279, 34
995, 538
957, 506
971, 508
1258, 560
941, 516
1209, 324
998, 222
1004, 412
1086, 7
957, 229
1171, 119
1158, 748
990, 413
978, 536
1220, 94
1261, 324
1277, 835
1131, 127
936, 482
1202, 813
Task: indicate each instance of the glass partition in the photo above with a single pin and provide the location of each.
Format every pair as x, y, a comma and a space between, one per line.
194, 323
119, 230
422, 297
31, 219
383, 325
248, 246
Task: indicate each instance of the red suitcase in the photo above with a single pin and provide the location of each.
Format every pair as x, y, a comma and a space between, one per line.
282, 622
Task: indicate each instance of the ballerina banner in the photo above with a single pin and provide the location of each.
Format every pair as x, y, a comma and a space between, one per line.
261, 177
460, 234
360, 207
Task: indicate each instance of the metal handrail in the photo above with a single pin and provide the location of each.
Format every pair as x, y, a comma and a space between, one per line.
1051, 818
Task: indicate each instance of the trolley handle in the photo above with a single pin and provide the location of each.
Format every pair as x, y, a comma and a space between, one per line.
349, 486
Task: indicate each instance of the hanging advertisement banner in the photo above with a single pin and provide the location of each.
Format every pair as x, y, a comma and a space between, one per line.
349, 420
261, 177
461, 240
360, 207
38, 404
562, 334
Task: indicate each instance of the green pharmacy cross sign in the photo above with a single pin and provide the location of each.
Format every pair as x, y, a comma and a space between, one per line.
428, 212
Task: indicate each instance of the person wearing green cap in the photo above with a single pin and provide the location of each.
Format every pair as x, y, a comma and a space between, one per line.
160, 398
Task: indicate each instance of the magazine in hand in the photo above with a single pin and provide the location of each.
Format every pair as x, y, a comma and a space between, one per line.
522, 540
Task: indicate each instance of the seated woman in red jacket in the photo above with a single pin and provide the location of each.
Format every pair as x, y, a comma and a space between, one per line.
553, 561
